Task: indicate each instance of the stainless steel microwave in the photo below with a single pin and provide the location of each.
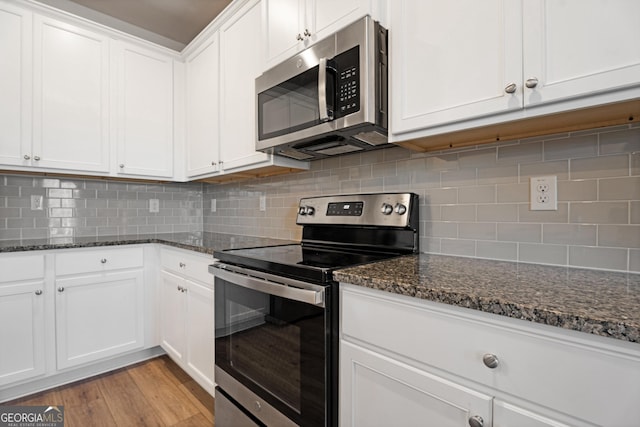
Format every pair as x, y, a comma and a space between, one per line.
329, 99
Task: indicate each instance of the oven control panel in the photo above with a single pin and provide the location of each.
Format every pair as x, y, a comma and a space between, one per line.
382, 209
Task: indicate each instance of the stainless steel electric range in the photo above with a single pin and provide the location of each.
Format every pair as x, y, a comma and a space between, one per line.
276, 309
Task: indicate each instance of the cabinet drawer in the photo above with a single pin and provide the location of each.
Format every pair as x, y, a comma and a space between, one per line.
97, 260
21, 267
574, 375
187, 264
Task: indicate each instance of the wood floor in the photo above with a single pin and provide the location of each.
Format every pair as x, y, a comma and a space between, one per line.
152, 393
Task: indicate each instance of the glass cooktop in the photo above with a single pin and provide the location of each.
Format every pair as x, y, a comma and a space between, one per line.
308, 263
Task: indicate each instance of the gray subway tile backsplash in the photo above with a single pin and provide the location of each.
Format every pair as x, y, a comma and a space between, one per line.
474, 201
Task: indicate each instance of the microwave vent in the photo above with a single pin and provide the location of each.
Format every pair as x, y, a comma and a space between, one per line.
372, 138
294, 154
340, 149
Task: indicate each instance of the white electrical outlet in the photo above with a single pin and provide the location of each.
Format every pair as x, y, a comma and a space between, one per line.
36, 202
154, 205
214, 206
263, 203
544, 193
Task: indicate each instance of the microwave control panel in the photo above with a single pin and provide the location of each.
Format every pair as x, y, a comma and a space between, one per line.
348, 82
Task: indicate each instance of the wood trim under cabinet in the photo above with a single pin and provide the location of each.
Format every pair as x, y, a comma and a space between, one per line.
586, 118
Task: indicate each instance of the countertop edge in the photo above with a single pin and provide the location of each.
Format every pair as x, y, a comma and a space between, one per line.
614, 327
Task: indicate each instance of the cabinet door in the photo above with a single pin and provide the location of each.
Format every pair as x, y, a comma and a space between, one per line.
172, 315
331, 15
240, 65
451, 61
580, 47
378, 391
15, 85
200, 333
284, 22
98, 316
203, 139
71, 81
145, 112
508, 415
21, 331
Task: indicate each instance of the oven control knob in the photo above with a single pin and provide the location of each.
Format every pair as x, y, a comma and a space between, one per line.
306, 210
386, 209
400, 209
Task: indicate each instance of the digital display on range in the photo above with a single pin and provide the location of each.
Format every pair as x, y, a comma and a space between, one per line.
345, 209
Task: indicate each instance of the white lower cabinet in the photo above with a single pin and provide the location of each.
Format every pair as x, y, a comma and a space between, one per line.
99, 304
98, 316
187, 314
22, 318
406, 361
384, 392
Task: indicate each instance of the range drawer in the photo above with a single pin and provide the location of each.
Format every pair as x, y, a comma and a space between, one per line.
192, 265
16, 267
95, 260
557, 369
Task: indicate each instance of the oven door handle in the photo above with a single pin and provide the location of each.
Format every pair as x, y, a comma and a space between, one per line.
270, 284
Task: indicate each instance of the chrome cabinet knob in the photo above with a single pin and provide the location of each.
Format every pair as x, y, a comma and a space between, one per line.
61, 289
121, 165
511, 88
307, 33
27, 157
476, 421
299, 37
213, 163
180, 288
36, 158
386, 209
183, 265
531, 83
39, 292
103, 260
490, 361
257, 405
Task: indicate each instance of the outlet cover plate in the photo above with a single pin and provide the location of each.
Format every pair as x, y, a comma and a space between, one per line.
543, 193
36, 202
154, 205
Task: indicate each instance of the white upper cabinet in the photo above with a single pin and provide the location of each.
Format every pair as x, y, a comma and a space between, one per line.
71, 97
579, 47
284, 25
240, 64
467, 64
292, 25
202, 100
453, 61
144, 93
15, 84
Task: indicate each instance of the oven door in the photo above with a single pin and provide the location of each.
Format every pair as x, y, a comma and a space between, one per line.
273, 346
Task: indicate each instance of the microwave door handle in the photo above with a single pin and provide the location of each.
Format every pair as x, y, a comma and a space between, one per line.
322, 90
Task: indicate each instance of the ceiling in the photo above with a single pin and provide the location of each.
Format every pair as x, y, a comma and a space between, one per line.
170, 23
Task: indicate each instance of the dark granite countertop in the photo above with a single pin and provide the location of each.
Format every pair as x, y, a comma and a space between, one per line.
596, 302
203, 242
